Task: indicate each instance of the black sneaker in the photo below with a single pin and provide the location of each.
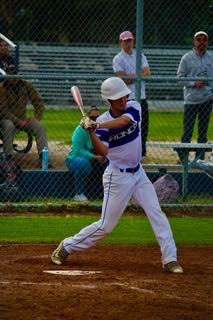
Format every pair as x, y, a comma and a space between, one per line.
173, 267
59, 255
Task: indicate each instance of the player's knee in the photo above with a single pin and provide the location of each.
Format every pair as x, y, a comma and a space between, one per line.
8, 125
107, 229
38, 128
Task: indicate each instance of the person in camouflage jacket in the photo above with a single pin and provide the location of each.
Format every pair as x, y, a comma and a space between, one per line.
15, 94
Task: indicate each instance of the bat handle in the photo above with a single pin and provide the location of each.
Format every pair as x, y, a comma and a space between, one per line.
82, 111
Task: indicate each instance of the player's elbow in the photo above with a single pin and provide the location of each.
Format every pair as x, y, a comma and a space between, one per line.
102, 150
105, 152
124, 121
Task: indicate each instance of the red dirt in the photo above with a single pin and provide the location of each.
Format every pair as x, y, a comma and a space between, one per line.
131, 284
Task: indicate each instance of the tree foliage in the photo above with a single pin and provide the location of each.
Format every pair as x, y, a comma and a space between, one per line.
165, 22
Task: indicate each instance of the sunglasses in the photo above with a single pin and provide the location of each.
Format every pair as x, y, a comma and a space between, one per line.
201, 39
93, 118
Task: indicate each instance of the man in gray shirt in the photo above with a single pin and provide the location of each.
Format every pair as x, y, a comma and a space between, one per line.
198, 94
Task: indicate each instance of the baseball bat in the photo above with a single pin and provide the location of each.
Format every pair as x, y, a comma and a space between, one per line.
77, 98
2, 72
12, 44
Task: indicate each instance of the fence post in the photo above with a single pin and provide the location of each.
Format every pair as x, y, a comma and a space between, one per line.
17, 57
139, 40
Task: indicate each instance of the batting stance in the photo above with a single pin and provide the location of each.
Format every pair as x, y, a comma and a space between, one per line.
117, 137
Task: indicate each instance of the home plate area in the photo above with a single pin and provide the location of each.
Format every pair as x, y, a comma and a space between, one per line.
71, 272
105, 282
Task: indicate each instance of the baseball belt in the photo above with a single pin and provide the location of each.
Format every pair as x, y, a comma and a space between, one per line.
131, 170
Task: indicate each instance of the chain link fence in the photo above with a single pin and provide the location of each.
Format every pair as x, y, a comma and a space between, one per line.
64, 43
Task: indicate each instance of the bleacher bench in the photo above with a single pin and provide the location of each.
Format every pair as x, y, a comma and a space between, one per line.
77, 63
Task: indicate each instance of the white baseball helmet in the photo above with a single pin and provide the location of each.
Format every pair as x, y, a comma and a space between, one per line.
114, 88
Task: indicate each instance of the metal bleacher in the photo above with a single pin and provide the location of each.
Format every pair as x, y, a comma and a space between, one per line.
54, 68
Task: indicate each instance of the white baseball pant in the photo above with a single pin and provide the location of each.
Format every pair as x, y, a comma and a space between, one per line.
119, 188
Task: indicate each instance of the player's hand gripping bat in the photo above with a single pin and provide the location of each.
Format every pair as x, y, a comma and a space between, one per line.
86, 122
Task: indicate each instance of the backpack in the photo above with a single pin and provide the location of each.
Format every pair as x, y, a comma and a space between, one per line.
9, 171
167, 188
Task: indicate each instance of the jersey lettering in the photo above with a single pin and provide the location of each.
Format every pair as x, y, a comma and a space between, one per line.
124, 135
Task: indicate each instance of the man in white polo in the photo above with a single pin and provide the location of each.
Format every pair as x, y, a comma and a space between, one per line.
124, 65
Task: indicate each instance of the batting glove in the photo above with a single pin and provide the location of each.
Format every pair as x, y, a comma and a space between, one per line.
88, 124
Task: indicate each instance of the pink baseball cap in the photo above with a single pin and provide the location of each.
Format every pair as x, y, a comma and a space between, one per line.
126, 35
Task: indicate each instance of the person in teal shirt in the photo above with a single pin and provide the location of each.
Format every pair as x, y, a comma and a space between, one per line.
80, 158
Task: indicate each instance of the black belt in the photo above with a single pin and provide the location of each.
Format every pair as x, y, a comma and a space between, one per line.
131, 170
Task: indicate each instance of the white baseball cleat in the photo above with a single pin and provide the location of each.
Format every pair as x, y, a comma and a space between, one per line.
173, 267
59, 255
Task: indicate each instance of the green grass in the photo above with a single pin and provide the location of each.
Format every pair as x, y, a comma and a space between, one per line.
164, 126
60, 123
130, 229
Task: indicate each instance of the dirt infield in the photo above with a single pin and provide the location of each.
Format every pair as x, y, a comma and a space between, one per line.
108, 282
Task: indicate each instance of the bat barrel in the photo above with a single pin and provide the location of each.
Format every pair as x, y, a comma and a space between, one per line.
2, 72
77, 98
12, 44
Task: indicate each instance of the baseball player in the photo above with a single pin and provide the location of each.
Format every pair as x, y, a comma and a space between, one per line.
117, 137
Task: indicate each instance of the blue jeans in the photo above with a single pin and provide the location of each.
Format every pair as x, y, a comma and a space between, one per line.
202, 112
81, 168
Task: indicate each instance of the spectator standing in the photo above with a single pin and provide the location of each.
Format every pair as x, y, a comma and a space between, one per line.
80, 158
14, 98
124, 65
6, 60
198, 94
